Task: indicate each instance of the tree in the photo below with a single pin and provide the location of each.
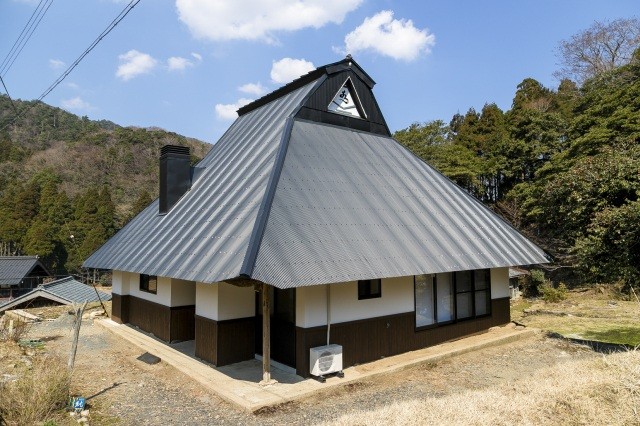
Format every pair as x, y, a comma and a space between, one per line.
601, 47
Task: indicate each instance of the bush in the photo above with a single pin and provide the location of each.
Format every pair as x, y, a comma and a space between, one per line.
552, 294
38, 392
530, 284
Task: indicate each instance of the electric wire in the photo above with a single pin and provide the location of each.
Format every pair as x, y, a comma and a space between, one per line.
6, 58
22, 42
75, 63
15, 108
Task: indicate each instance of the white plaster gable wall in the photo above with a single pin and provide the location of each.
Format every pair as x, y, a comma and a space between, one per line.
499, 283
183, 293
311, 303
222, 301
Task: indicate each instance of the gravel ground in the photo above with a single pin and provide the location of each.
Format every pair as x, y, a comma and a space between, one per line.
122, 390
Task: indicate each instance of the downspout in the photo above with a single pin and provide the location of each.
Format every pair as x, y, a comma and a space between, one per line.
328, 312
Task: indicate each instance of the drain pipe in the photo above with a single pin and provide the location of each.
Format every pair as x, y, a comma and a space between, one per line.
328, 312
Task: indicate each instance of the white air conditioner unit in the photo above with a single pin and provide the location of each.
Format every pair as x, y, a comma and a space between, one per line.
326, 360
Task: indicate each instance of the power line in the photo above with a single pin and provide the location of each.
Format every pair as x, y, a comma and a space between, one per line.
15, 108
75, 63
23, 38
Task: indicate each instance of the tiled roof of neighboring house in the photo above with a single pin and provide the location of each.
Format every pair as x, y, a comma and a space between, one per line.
293, 202
13, 269
66, 291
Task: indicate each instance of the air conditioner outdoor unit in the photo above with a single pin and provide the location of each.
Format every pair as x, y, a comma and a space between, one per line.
326, 360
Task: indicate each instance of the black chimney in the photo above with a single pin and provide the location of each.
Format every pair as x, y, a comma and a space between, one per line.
175, 175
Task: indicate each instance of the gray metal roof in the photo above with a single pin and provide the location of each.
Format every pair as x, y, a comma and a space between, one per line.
207, 233
295, 203
66, 290
13, 269
352, 205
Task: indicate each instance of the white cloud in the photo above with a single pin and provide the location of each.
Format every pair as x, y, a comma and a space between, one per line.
177, 63
228, 111
259, 19
77, 104
197, 56
56, 64
288, 69
396, 38
256, 89
134, 63
73, 86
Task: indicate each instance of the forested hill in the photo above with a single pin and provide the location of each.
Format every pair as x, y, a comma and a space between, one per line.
561, 164
64, 175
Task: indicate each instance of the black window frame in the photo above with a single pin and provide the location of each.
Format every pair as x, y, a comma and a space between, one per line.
144, 283
365, 289
473, 292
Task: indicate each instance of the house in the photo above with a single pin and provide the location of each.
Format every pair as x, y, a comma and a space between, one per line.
20, 274
65, 291
308, 201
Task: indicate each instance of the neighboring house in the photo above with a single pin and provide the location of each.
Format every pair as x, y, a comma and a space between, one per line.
65, 291
308, 193
20, 274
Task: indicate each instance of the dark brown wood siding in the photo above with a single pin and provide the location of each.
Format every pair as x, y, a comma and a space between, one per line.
120, 308
206, 338
151, 317
166, 323
371, 339
183, 325
225, 342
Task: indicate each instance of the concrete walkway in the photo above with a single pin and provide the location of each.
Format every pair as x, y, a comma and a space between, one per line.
238, 383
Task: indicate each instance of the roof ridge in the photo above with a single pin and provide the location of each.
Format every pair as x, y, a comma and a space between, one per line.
257, 233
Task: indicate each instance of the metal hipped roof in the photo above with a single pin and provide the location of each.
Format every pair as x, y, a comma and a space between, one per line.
352, 205
207, 233
13, 269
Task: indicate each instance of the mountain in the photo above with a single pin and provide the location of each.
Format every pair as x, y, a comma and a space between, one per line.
63, 175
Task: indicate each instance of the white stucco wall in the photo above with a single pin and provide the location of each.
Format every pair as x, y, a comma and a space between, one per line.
163, 296
499, 283
183, 293
222, 301
116, 282
311, 302
207, 300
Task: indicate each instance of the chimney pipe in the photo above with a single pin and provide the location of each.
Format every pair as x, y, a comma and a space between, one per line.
175, 175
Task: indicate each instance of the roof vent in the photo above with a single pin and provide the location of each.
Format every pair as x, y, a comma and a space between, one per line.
175, 175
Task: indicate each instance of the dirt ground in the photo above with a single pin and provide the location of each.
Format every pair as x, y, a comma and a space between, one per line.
123, 390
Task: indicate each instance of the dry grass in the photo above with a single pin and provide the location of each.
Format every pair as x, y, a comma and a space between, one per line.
602, 391
13, 330
592, 315
38, 393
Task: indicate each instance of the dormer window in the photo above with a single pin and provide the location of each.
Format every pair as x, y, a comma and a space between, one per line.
346, 101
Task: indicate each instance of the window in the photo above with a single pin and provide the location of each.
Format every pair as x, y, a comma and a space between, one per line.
369, 289
149, 283
445, 298
425, 300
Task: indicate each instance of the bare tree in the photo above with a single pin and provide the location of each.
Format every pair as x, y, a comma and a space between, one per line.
599, 48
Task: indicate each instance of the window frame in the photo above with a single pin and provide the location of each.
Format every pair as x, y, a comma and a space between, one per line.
368, 293
474, 290
144, 283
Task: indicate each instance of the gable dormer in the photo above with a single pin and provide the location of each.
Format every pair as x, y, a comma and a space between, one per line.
345, 98
336, 83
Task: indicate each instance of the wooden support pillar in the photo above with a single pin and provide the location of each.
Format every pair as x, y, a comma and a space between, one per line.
266, 334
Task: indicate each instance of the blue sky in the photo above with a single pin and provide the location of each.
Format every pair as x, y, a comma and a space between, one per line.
184, 65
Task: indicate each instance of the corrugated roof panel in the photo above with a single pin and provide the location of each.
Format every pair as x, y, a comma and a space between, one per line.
74, 291
206, 235
351, 205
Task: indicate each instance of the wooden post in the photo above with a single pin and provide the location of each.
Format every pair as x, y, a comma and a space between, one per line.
79, 310
266, 334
